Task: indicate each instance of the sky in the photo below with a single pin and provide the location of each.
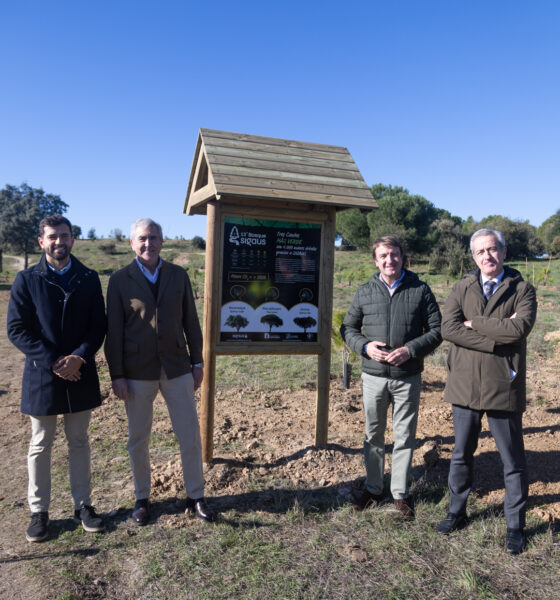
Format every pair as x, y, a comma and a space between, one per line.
457, 101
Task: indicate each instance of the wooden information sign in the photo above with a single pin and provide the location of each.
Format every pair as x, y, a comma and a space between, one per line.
271, 216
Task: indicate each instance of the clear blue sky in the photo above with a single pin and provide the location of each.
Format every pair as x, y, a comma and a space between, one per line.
458, 101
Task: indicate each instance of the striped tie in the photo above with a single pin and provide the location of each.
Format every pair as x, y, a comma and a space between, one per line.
489, 288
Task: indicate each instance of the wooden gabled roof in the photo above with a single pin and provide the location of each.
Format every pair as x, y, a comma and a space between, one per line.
250, 166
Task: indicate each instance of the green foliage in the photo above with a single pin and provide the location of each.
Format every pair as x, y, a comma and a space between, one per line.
91, 234
521, 236
117, 234
353, 226
450, 250
21, 209
549, 233
407, 216
107, 247
198, 243
76, 231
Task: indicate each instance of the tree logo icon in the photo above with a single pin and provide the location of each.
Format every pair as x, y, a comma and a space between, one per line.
234, 236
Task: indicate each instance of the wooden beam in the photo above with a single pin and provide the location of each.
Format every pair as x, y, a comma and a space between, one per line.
324, 329
208, 389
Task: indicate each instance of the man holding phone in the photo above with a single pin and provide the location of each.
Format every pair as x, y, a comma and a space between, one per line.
393, 323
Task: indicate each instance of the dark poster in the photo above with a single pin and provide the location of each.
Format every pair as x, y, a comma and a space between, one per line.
270, 281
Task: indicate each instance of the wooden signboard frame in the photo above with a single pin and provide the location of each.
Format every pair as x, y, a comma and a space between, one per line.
216, 211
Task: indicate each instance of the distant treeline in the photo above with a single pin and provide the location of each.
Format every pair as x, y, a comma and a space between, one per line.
435, 233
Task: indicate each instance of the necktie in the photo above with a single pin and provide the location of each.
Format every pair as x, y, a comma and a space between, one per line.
489, 288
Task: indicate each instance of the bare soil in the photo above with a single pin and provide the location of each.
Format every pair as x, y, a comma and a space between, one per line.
264, 443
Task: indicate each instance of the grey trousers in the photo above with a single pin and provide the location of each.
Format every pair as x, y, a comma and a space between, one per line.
43, 429
507, 429
404, 395
178, 394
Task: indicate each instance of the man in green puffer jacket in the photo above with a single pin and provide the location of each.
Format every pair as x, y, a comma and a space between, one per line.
393, 323
487, 319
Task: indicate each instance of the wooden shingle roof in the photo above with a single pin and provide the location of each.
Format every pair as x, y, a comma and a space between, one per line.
249, 166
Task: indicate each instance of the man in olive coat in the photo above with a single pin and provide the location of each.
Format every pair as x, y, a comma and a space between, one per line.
56, 317
393, 323
154, 343
487, 319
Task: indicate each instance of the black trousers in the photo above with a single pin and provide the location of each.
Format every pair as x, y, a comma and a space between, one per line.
507, 431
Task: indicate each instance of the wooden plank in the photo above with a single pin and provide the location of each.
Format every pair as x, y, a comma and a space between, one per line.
243, 173
225, 143
223, 181
283, 166
310, 214
291, 159
326, 275
207, 392
342, 201
191, 177
270, 141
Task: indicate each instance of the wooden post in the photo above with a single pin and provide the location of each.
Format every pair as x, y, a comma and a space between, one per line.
324, 330
208, 388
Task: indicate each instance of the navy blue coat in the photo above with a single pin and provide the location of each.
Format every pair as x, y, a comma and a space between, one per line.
45, 322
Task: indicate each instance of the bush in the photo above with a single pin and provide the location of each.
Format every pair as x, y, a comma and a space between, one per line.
107, 247
198, 243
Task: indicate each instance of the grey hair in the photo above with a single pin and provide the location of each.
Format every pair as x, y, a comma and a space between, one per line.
483, 232
144, 223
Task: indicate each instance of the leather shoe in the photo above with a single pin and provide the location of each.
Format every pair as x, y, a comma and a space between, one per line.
365, 498
515, 541
200, 509
451, 523
403, 507
141, 512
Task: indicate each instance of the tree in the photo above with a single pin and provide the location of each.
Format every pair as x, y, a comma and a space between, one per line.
91, 234
237, 322
76, 231
451, 247
117, 234
305, 323
353, 226
549, 231
407, 216
21, 209
521, 237
272, 321
198, 242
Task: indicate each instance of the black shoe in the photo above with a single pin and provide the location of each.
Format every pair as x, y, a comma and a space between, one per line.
515, 541
365, 498
91, 522
38, 529
200, 509
141, 512
451, 523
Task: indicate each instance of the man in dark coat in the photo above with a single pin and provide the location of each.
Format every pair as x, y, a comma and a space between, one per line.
56, 317
393, 323
487, 319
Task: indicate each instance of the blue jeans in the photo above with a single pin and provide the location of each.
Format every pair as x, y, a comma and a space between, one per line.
404, 395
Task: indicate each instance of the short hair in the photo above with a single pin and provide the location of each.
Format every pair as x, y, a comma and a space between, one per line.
53, 221
387, 240
485, 232
145, 223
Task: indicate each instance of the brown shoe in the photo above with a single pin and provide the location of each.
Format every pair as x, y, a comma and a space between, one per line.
406, 511
365, 498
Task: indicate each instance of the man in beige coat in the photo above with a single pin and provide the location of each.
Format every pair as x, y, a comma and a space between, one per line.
154, 343
487, 319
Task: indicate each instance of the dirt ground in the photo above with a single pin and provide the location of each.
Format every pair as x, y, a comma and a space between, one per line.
264, 442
